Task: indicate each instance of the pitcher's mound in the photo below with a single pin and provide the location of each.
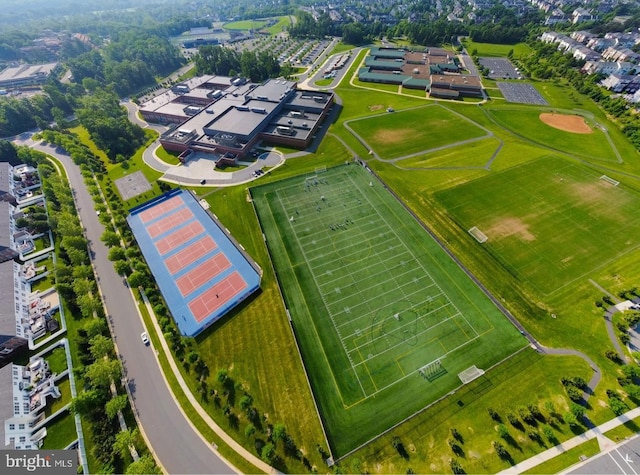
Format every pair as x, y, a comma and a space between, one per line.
569, 123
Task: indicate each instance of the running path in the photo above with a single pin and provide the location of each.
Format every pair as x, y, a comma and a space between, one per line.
266, 468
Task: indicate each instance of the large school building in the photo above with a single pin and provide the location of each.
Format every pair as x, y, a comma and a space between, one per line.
433, 70
227, 117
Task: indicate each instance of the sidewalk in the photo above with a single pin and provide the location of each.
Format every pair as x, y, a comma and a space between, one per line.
597, 432
235, 446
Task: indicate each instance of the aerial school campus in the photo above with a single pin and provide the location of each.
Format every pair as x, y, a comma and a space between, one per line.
408, 244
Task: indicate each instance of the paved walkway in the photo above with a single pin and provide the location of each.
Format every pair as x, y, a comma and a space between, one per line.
597, 432
251, 458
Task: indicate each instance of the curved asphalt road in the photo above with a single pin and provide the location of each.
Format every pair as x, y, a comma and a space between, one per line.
176, 444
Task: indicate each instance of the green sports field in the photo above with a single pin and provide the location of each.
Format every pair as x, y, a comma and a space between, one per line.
550, 222
384, 318
527, 123
408, 132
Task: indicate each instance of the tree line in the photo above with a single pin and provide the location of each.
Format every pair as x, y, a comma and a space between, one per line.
257, 66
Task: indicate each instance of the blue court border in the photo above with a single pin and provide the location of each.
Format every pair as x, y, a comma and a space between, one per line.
178, 305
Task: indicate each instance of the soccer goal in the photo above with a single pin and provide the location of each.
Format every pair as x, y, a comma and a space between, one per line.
478, 235
320, 169
469, 374
609, 180
432, 370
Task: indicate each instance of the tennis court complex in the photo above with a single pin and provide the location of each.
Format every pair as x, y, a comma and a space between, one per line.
382, 314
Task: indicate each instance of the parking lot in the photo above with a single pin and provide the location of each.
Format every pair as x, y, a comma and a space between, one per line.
500, 68
522, 93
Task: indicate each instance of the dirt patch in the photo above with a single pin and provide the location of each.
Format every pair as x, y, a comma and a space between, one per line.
507, 227
394, 136
568, 123
376, 107
590, 193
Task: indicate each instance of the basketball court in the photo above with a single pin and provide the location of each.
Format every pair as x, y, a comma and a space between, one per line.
132, 185
201, 273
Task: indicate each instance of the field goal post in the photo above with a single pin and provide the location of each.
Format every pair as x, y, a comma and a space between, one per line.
609, 180
478, 235
469, 374
432, 370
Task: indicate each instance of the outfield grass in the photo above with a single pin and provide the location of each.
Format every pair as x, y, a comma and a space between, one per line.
407, 132
554, 221
526, 123
378, 296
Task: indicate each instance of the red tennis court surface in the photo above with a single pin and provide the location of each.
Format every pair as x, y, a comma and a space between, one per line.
206, 271
190, 254
179, 237
217, 296
162, 208
171, 221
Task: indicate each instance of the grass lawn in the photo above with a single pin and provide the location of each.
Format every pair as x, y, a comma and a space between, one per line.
57, 360
170, 157
386, 302
323, 82
474, 154
563, 461
341, 47
406, 132
280, 26
54, 405
60, 433
377, 86
628, 429
44, 283
245, 25
549, 222
414, 92
41, 243
491, 49
525, 379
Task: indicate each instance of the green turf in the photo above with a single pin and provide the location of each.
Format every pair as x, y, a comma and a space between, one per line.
282, 24
491, 49
245, 25
374, 301
57, 360
407, 132
60, 432
526, 123
474, 154
549, 222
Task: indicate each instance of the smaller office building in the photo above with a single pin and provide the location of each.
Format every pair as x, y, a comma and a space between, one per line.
434, 70
26, 75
